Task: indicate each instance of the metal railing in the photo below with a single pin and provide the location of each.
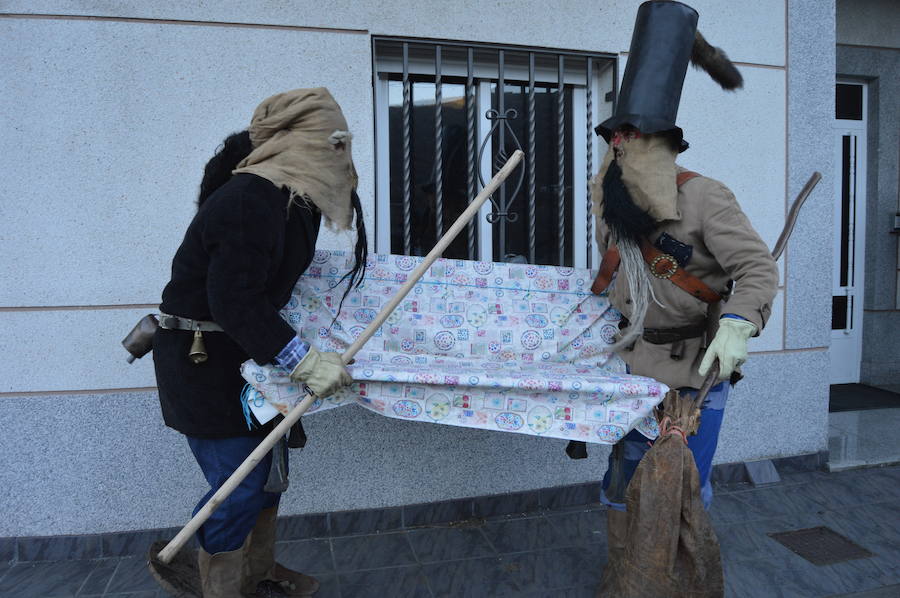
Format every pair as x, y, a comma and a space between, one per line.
485, 74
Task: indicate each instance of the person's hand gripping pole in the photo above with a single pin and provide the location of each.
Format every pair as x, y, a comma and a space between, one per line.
323, 372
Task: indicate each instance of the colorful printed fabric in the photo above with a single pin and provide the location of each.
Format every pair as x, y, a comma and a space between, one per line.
506, 347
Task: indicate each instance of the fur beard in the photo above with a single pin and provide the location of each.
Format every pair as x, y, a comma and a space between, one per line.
715, 62
624, 218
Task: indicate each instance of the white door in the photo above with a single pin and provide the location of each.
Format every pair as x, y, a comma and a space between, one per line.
849, 232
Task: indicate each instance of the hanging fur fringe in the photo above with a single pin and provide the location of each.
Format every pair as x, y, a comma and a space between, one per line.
640, 290
715, 62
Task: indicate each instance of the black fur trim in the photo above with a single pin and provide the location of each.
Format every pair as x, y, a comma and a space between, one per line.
217, 171
716, 63
624, 218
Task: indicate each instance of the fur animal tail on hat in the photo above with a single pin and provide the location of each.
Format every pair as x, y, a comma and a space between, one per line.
715, 62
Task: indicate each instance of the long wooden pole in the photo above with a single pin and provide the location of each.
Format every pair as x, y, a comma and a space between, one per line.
172, 548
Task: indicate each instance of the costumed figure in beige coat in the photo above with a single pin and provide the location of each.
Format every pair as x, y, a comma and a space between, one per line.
682, 262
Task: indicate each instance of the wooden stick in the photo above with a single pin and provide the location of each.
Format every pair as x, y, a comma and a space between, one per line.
793, 213
712, 375
172, 548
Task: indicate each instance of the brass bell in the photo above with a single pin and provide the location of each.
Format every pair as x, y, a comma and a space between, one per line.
198, 348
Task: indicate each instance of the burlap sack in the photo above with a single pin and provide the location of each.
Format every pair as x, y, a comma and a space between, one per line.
671, 549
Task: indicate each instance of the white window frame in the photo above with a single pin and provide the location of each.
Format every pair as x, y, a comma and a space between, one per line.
485, 75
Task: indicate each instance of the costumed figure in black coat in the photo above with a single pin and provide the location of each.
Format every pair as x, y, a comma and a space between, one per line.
261, 202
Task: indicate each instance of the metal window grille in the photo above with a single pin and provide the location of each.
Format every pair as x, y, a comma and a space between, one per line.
447, 117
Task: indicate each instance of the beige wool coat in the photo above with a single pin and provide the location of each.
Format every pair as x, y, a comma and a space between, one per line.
725, 247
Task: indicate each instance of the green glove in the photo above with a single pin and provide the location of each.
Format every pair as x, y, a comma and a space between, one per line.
729, 346
323, 372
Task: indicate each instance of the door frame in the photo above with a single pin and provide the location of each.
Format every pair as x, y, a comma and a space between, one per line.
846, 344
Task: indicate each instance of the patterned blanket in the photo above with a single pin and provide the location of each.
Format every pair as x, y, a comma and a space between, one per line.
505, 347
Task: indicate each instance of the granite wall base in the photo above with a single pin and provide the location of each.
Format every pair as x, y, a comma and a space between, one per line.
93, 463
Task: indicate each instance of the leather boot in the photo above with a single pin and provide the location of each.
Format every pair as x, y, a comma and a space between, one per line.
616, 529
260, 565
220, 573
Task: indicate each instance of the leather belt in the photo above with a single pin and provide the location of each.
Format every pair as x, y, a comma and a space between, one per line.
665, 336
170, 322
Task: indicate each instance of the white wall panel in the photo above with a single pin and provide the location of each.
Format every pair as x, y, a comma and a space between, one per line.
63, 350
810, 95
748, 31
107, 126
738, 138
105, 462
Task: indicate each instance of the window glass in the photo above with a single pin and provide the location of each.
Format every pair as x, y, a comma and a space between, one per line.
848, 101
422, 175
549, 228
481, 128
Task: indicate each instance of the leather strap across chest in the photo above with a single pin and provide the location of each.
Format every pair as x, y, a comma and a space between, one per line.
662, 265
682, 177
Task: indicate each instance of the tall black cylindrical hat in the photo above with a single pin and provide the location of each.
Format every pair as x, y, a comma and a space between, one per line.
660, 51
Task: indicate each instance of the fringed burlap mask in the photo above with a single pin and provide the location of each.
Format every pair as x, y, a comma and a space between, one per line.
648, 171
301, 142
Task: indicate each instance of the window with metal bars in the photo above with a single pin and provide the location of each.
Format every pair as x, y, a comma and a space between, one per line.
444, 127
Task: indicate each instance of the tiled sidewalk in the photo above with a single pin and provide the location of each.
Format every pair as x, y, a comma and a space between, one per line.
559, 553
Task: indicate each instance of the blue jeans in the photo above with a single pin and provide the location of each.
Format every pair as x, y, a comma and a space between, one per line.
702, 444
230, 524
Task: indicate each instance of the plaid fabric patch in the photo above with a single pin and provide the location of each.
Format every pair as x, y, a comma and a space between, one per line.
293, 352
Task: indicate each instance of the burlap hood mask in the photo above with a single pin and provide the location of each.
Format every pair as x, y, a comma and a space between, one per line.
301, 142
647, 165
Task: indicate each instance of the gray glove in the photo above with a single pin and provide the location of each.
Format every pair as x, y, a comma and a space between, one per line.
323, 372
729, 347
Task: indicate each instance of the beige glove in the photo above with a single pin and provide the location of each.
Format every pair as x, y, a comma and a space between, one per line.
323, 372
729, 346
